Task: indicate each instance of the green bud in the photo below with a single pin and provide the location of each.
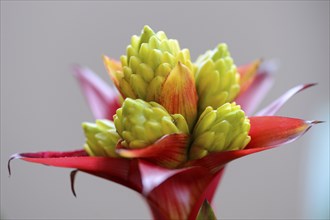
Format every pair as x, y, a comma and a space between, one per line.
149, 59
217, 79
141, 123
101, 138
223, 129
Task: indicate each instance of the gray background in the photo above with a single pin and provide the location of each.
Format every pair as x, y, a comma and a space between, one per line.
42, 107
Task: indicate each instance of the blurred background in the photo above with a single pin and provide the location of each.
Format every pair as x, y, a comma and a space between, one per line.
42, 107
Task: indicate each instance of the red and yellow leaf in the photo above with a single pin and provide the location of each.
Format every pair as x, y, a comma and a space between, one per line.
179, 95
254, 94
247, 74
112, 66
170, 151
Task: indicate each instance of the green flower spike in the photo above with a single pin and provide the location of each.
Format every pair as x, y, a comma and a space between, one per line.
141, 123
101, 138
217, 79
150, 58
218, 130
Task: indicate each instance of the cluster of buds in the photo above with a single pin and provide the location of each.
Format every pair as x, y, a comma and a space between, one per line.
101, 138
141, 123
217, 79
150, 59
165, 93
223, 129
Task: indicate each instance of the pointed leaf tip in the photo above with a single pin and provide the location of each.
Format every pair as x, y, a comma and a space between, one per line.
206, 212
12, 157
275, 130
123, 171
278, 103
72, 181
315, 122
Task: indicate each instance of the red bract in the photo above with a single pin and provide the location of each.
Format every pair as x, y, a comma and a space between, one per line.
176, 193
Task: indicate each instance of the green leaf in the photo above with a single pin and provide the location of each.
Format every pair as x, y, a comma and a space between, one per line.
206, 212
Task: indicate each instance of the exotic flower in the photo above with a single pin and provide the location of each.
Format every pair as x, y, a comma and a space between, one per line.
178, 126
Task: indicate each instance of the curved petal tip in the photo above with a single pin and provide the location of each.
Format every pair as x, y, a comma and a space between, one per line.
315, 122
72, 181
12, 157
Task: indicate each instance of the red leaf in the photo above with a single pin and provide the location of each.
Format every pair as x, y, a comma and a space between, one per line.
119, 170
278, 103
152, 176
170, 151
158, 181
266, 132
177, 195
181, 190
208, 193
214, 162
102, 99
251, 98
274, 130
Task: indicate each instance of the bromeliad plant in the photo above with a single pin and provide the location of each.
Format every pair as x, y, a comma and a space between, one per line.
175, 124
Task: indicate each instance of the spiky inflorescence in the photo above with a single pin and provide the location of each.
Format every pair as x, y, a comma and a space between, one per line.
223, 129
101, 138
141, 123
150, 58
217, 79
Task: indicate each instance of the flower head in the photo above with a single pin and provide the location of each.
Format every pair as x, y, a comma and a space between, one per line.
140, 124
179, 124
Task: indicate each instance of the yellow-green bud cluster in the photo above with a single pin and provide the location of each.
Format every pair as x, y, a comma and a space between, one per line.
101, 138
150, 58
141, 123
217, 79
218, 130
158, 80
